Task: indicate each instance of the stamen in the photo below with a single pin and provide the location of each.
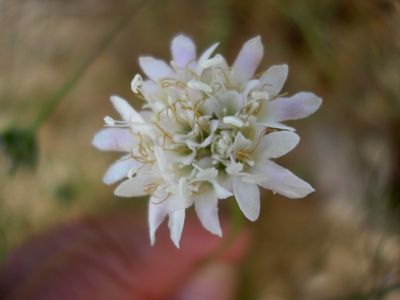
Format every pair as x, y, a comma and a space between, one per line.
198, 85
109, 121
250, 162
257, 95
234, 121
136, 83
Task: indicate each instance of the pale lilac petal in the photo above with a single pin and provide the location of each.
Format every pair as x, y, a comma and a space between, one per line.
175, 224
119, 170
127, 112
274, 78
277, 144
276, 125
157, 213
150, 89
282, 181
135, 186
248, 60
206, 206
183, 50
155, 69
248, 198
296, 107
114, 139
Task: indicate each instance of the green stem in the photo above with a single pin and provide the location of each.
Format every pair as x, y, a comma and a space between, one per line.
72, 80
307, 24
236, 220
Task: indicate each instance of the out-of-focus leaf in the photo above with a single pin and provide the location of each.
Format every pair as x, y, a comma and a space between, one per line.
20, 147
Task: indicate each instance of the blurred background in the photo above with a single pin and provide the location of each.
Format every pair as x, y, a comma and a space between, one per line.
63, 235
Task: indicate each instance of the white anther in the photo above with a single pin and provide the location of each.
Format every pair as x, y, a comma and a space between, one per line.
136, 83
109, 121
234, 121
257, 95
216, 60
250, 163
198, 85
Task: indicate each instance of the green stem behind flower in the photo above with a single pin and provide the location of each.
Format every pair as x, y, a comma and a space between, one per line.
73, 79
235, 227
19, 144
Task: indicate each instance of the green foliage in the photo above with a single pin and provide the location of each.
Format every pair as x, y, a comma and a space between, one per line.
20, 147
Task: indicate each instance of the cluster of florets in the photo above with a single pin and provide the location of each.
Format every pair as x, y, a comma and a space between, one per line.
207, 131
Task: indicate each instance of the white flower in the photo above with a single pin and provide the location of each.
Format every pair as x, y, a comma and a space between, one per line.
207, 131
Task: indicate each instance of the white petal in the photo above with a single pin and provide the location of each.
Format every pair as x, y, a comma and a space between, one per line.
127, 112
248, 198
231, 101
276, 144
220, 191
240, 143
135, 186
274, 78
206, 206
212, 62
155, 69
119, 170
175, 224
205, 56
296, 107
183, 50
114, 139
248, 60
161, 159
157, 213
177, 202
150, 90
282, 181
250, 85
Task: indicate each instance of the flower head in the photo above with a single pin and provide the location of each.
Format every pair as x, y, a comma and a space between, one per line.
207, 131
